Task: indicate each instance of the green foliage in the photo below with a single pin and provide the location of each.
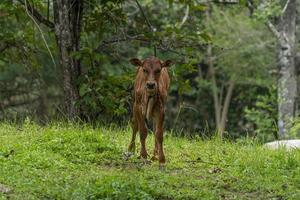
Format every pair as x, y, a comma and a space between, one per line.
264, 115
243, 49
113, 31
243, 52
268, 9
68, 161
106, 95
27, 70
295, 130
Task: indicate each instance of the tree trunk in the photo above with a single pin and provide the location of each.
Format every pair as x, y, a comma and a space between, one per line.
221, 109
212, 74
222, 123
287, 80
67, 18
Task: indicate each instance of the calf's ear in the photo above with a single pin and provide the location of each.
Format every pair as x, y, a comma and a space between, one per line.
167, 63
136, 62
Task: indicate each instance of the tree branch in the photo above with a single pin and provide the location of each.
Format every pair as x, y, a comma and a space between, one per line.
186, 15
36, 14
273, 30
147, 21
226, 1
269, 24
285, 7
143, 13
117, 40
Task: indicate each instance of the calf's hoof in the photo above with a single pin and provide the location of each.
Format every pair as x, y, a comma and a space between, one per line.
144, 160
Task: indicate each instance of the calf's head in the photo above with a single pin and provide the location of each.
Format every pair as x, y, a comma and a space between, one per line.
151, 72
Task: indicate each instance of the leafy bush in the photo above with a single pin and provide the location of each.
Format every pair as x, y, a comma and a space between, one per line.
106, 98
264, 115
295, 130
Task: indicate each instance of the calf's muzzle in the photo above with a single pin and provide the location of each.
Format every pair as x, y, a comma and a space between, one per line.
150, 85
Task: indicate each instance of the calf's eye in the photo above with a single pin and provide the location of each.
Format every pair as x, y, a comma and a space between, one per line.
157, 72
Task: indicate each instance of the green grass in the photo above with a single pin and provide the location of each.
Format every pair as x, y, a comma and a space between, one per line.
77, 162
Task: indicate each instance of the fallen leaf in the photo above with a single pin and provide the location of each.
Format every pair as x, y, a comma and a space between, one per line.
4, 189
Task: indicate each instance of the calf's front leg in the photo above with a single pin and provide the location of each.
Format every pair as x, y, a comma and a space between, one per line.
131, 147
143, 136
159, 138
135, 127
155, 150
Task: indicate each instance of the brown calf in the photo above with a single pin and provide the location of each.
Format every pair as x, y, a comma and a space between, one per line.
150, 94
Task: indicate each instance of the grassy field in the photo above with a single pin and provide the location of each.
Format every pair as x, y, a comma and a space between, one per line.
75, 162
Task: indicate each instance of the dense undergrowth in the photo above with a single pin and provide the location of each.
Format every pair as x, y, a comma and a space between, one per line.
67, 161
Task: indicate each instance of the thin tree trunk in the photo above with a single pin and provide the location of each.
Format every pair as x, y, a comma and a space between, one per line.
67, 17
217, 103
287, 80
221, 112
212, 74
222, 124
